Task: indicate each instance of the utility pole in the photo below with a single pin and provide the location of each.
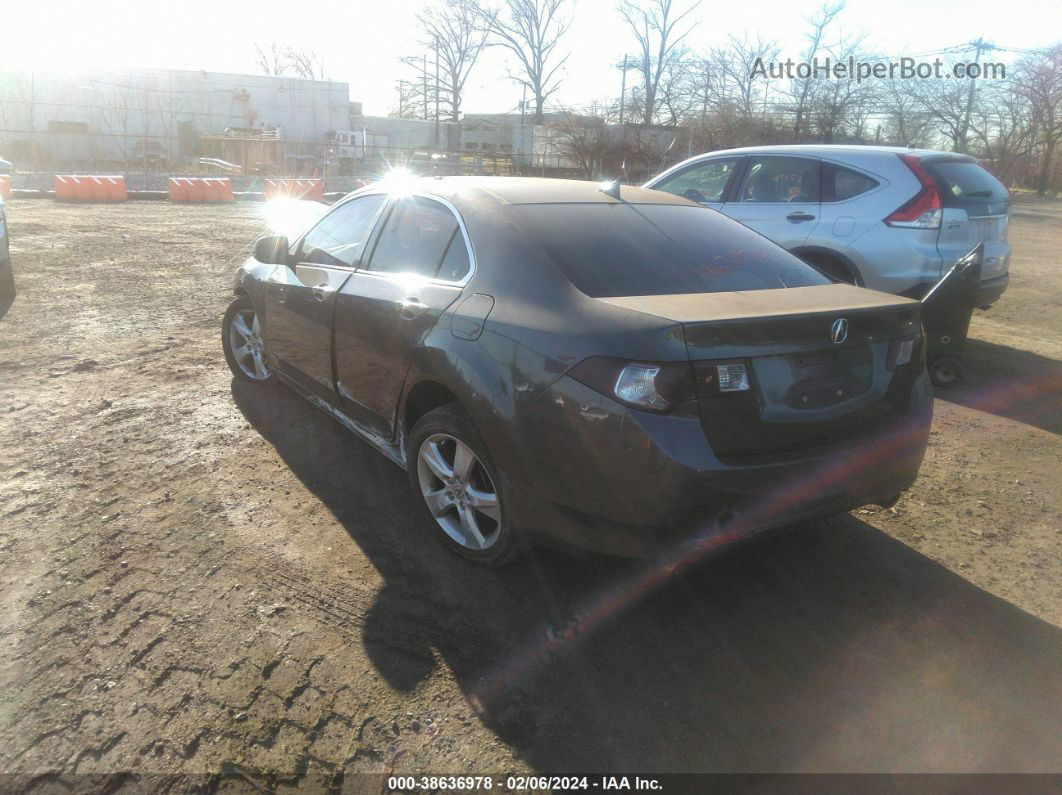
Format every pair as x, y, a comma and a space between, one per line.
437, 92
523, 138
424, 76
623, 90
980, 46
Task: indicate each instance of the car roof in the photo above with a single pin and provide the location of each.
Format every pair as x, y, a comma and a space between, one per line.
534, 190
825, 150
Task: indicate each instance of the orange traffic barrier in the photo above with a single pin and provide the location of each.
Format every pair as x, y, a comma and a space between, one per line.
201, 189
90, 189
294, 189
5, 187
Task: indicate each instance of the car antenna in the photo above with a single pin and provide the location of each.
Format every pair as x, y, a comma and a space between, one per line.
612, 188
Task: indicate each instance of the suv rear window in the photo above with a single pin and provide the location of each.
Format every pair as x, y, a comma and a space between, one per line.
969, 185
613, 250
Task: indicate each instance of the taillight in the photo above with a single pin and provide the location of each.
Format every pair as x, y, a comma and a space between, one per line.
653, 386
924, 210
716, 379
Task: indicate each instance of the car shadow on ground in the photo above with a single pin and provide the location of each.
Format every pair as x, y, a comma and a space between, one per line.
830, 647
1010, 383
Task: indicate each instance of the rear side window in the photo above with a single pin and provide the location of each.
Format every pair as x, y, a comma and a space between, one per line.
968, 185
611, 250
704, 182
781, 179
840, 183
418, 236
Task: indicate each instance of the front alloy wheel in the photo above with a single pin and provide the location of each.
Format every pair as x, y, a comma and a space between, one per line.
459, 492
242, 340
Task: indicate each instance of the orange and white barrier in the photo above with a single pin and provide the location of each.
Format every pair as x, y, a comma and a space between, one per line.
97, 189
5, 187
294, 189
201, 189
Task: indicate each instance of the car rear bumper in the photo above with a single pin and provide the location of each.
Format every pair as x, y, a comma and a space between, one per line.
594, 475
990, 290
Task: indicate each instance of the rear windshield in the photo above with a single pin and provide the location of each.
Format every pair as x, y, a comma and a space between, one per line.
969, 185
612, 250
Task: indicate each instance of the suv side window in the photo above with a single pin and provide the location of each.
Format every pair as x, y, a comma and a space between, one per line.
840, 183
780, 179
704, 182
339, 237
421, 236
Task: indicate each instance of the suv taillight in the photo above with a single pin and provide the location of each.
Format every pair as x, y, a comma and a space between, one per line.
923, 211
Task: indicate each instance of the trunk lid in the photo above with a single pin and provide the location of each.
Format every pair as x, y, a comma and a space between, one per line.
806, 390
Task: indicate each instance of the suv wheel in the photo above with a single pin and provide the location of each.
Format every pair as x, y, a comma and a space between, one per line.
833, 268
459, 488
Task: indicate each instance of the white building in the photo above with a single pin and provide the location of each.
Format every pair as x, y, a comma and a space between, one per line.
145, 114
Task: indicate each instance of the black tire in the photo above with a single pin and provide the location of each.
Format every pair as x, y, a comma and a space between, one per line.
945, 371
452, 421
242, 305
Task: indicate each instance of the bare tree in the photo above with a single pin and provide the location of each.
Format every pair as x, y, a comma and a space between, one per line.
583, 138
944, 103
304, 63
1040, 81
659, 28
1002, 130
840, 107
906, 122
728, 76
452, 30
275, 59
271, 58
530, 30
802, 90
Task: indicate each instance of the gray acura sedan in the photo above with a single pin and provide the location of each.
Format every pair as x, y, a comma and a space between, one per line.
611, 369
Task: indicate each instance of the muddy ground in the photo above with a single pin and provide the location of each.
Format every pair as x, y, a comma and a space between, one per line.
212, 583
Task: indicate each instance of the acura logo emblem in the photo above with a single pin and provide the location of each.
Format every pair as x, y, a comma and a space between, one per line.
839, 330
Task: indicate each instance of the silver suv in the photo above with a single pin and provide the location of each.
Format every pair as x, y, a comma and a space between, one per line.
888, 218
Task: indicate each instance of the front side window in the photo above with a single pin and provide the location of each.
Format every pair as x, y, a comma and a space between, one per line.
781, 179
610, 250
423, 237
704, 182
339, 238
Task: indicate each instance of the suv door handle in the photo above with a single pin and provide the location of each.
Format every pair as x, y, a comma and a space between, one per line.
410, 308
321, 291
798, 217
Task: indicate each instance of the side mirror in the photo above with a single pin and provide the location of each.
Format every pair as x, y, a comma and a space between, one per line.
271, 249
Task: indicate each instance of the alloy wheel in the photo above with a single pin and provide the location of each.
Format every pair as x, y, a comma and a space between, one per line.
459, 492
245, 341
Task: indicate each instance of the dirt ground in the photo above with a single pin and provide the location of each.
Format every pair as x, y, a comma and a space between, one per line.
212, 583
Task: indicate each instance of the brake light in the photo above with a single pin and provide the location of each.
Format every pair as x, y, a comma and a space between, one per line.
924, 209
653, 386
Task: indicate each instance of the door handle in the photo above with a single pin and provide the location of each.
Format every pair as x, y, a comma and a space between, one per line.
410, 308
321, 291
798, 217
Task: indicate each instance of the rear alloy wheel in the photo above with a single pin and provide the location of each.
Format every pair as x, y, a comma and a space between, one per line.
450, 469
241, 338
